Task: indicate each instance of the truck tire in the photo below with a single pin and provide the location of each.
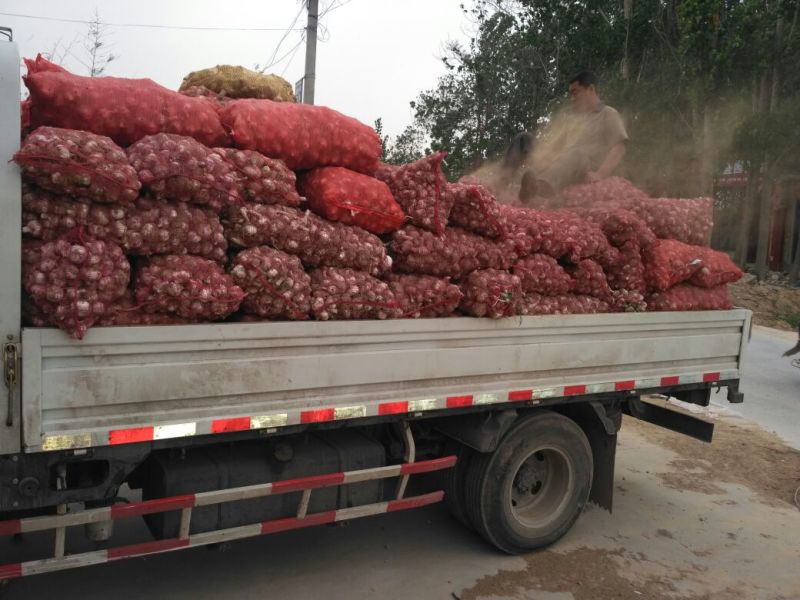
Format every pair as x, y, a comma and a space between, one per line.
453, 481
532, 488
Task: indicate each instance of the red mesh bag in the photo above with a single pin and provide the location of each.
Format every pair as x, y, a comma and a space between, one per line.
627, 273
339, 194
275, 283
46, 216
491, 293
627, 301
75, 280
541, 274
175, 167
40, 64
568, 304
78, 163
188, 286
348, 294
424, 296
558, 233
301, 135
614, 190
669, 262
475, 209
201, 91
315, 241
523, 228
687, 220
126, 313
261, 179
386, 172
158, 227
690, 297
620, 226
419, 188
717, 269
565, 234
125, 110
453, 254
590, 280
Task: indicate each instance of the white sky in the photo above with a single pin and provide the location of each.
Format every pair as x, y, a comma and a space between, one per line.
379, 55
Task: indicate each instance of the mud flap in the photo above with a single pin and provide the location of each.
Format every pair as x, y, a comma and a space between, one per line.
658, 411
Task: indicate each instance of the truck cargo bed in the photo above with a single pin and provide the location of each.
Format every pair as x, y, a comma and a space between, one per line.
128, 384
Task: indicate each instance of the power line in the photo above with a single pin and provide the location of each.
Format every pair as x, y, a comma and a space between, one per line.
292, 49
283, 37
150, 25
288, 64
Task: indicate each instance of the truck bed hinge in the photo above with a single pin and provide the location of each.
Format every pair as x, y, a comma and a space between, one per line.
10, 376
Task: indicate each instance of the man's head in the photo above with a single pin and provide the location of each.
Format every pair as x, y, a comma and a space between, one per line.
583, 91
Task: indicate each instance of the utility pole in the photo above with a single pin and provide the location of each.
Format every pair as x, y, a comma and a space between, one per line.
311, 52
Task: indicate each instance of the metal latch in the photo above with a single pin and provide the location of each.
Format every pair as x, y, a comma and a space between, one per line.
10, 374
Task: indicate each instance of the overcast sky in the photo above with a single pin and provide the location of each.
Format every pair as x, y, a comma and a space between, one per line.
378, 54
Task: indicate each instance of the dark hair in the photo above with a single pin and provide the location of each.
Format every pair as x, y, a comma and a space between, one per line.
584, 79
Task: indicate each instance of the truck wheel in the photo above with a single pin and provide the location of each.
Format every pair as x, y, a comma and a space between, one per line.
532, 488
453, 480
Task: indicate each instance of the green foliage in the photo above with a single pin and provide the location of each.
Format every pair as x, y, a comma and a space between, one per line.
792, 319
671, 68
774, 134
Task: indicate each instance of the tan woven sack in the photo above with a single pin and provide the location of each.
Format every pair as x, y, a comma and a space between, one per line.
239, 82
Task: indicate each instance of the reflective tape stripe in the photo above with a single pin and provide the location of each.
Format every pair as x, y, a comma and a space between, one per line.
72, 441
422, 405
265, 421
317, 416
349, 412
228, 425
574, 390
165, 432
392, 408
130, 436
459, 401
479, 399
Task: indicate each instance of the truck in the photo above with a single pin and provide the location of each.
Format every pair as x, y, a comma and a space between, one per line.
234, 430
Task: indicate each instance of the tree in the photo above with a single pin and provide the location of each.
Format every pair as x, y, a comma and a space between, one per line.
407, 147
97, 47
684, 74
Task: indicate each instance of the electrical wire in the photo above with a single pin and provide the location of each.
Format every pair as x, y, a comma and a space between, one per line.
282, 58
154, 26
288, 64
285, 34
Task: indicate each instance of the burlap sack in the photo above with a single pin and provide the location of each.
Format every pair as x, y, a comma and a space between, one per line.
239, 82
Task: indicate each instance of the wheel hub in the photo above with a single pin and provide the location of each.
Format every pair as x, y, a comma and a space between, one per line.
540, 485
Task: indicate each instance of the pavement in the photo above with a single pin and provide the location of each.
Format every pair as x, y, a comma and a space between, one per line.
691, 521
